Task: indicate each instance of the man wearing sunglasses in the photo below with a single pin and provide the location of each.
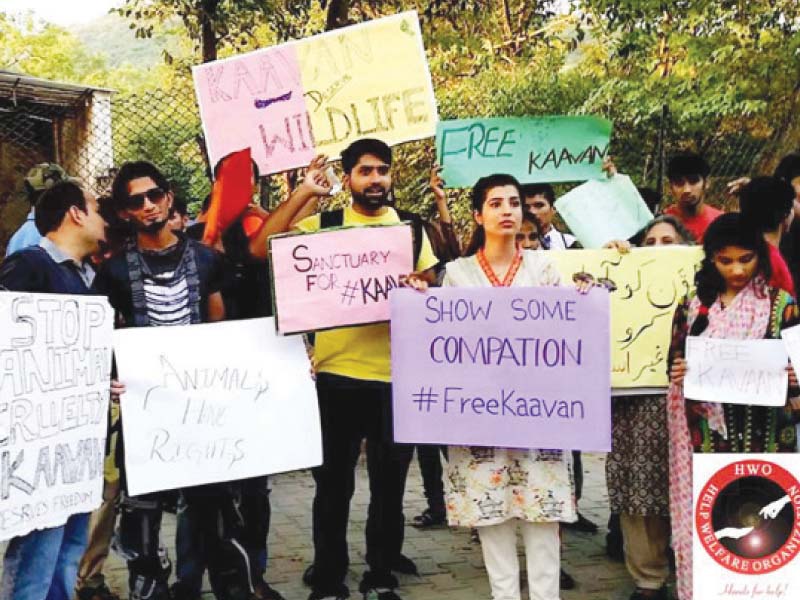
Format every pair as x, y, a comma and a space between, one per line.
688, 176
164, 278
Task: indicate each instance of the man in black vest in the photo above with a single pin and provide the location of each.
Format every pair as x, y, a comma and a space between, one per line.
163, 278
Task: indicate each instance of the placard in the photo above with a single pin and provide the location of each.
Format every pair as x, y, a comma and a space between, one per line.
55, 363
339, 276
317, 95
602, 210
502, 367
532, 149
648, 284
214, 402
736, 371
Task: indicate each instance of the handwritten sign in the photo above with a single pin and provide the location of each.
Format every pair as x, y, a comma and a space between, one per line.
214, 402
316, 95
338, 277
55, 362
647, 283
791, 339
736, 371
505, 367
532, 149
615, 199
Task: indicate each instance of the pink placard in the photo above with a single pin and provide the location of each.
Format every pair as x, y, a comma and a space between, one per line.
338, 277
256, 101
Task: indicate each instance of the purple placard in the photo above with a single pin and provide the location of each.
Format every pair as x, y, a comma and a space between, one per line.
503, 367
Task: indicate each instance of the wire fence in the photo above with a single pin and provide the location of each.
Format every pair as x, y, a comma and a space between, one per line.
96, 133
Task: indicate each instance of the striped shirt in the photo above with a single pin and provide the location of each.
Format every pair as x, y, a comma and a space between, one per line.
167, 297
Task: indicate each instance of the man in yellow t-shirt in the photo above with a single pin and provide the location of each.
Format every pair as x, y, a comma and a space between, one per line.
354, 392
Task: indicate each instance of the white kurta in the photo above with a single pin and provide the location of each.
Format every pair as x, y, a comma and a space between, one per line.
487, 486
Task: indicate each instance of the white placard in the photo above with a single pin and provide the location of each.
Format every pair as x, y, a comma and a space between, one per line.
736, 371
746, 526
214, 402
791, 340
55, 362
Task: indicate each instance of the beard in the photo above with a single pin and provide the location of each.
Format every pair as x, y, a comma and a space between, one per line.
153, 227
371, 202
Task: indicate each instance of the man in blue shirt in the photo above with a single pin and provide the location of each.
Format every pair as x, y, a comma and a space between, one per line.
39, 178
43, 564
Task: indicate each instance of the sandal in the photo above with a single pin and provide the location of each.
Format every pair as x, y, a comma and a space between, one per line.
429, 520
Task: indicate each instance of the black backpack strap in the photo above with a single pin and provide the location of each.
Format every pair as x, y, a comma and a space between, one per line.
331, 218
418, 228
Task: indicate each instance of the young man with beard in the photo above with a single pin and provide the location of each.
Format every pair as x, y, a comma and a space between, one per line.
688, 178
43, 564
354, 392
160, 279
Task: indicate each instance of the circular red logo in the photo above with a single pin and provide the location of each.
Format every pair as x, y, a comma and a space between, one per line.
748, 517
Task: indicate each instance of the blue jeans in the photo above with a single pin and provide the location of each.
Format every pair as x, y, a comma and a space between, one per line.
43, 565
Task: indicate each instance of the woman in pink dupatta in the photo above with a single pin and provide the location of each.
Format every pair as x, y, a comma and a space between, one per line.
732, 301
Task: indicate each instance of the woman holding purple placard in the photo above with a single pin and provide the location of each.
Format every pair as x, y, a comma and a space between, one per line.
499, 490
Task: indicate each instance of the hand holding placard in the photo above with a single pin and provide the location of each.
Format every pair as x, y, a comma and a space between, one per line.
736, 371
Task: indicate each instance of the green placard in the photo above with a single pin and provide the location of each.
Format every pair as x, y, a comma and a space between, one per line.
532, 149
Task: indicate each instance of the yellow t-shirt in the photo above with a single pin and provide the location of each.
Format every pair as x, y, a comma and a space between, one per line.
360, 352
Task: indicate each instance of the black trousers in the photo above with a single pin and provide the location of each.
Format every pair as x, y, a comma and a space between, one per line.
214, 513
353, 410
430, 466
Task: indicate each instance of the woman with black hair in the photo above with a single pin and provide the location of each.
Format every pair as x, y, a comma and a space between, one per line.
500, 490
732, 301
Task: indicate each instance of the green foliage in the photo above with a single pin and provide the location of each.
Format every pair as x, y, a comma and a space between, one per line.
727, 71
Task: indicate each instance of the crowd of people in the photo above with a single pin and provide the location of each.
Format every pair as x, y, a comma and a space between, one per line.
136, 247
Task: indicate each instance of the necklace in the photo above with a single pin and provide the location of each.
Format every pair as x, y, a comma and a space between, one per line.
492, 276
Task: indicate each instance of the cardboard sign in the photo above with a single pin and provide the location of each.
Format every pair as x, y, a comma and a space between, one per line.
502, 367
317, 95
532, 149
337, 277
603, 210
746, 534
55, 363
736, 371
648, 284
214, 402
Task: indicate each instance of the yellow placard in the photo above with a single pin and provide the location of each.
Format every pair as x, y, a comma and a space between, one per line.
368, 80
647, 285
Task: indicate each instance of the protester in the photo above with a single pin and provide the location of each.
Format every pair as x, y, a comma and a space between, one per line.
39, 178
475, 497
178, 215
163, 279
540, 201
354, 391
768, 204
733, 301
246, 295
637, 468
688, 180
530, 232
789, 171
43, 564
446, 247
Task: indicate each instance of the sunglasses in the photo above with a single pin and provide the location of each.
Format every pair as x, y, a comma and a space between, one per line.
136, 201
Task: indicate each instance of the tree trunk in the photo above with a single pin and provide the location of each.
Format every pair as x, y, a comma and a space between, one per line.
337, 14
208, 37
507, 19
